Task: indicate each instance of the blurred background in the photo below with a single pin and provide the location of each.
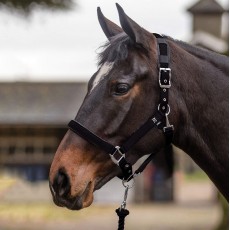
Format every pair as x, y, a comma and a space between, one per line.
48, 52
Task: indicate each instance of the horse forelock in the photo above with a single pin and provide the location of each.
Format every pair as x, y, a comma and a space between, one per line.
117, 49
113, 51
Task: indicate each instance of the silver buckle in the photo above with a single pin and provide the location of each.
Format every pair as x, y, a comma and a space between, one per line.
169, 83
168, 126
117, 156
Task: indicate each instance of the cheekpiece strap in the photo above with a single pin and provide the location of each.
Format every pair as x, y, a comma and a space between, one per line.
165, 84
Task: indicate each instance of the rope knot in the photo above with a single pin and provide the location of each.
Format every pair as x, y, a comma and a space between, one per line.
122, 213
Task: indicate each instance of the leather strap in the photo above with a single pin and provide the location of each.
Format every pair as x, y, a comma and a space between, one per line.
118, 153
86, 134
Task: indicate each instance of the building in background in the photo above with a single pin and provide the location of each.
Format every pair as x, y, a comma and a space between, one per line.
210, 29
33, 121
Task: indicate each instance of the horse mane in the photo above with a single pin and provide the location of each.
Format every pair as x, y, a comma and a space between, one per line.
218, 60
117, 49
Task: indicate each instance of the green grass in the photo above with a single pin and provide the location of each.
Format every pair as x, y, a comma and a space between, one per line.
196, 176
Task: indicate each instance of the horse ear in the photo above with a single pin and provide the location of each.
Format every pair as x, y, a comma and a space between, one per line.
110, 29
131, 28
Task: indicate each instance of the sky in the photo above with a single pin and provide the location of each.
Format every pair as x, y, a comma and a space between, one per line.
63, 46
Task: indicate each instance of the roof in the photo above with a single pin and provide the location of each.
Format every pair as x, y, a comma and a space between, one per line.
206, 7
30, 103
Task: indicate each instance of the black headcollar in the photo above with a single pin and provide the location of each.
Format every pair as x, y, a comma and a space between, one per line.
159, 120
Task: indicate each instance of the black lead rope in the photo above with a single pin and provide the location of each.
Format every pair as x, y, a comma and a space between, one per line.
122, 213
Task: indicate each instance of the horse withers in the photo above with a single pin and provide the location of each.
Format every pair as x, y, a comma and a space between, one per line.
124, 93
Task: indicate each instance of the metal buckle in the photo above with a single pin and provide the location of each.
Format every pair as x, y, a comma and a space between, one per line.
169, 83
168, 127
117, 156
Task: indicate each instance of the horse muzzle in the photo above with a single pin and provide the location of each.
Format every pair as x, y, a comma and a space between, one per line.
61, 192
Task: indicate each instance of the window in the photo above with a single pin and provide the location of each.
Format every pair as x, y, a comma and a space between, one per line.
17, 150
29, 149
12, 149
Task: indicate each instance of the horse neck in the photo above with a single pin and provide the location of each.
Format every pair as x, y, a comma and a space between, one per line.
200, 99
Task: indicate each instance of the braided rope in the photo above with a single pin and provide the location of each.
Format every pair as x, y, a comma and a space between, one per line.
122, 213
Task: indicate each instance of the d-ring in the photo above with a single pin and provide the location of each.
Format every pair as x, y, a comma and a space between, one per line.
127, 184
168, 110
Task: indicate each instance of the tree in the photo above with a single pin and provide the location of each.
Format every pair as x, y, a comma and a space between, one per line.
26, 7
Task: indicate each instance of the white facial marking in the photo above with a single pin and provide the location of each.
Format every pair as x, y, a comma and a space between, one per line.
104, 70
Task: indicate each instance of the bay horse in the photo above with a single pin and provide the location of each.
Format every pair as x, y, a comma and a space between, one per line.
124, 93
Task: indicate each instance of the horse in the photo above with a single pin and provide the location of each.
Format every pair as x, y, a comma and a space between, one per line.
124, 93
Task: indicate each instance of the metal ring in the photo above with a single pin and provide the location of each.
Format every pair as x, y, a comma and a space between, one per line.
126, 185
167, 113
168, 110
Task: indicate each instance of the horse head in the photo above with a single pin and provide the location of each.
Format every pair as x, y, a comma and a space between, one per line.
121, 96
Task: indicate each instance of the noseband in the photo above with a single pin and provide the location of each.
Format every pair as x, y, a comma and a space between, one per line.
159, 120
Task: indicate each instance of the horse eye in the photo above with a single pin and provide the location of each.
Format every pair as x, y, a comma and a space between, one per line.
121, 89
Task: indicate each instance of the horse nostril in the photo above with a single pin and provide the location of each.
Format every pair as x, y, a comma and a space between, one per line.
61, 184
